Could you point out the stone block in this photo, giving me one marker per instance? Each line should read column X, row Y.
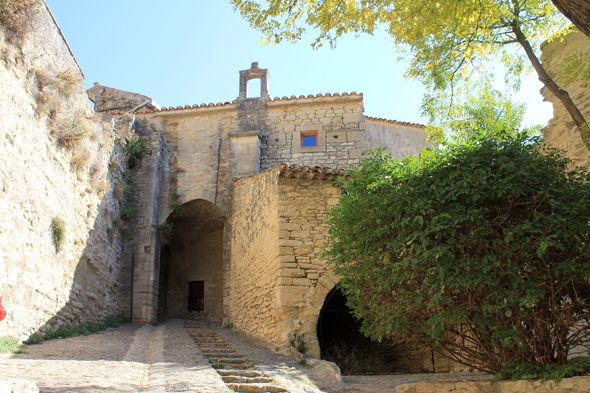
column 304, row 282
column 290, row 243
column 303, row 251
column 285, row 250
column 285, row 281
column 287, row 258
column 300, row 234
column 354, row 117
column 288, row 226
column 294, row 273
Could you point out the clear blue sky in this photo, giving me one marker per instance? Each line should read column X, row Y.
column 185, row 52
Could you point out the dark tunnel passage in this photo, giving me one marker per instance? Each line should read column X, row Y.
column 342, row 342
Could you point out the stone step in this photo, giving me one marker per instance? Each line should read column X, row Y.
column 255, row 388
column 240, row 379
column 219, row 350
column 219, row 355
column 241, row 366
column 228, row 360
column 239, row 373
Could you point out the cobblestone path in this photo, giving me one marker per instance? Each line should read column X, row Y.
column 165, row 358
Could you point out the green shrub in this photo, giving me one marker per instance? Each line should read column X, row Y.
column 10, row 345
column 34, row 339
column 550, row 372
column 174, row 201
column 50, row 335
column 116, row 320
column 128, row 212
column 301, row 343
column 476, row 250
column 58, row 233
column 135, row 149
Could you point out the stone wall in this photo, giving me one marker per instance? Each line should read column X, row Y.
column 338, row 120
column 255, row 255
column 561, row 131
column 304, row 278
column 569, row 385
column 45, row 176
column 400, row 140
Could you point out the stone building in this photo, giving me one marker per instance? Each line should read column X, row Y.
column 254, row 178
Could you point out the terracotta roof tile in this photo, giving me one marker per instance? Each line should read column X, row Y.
column 401, row 123
column 307, row 172
column 210, row 105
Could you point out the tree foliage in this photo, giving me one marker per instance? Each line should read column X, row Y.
column 477, row 250
column 448, row 41
column 486, row 111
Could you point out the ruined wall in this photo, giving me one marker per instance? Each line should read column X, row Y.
column 399, row 140
column 255, row 255
column 304, row 278
column 561, row 131
column 49, row 173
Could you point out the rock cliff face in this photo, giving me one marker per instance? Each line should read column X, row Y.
column 561, row 131
column 59, row 248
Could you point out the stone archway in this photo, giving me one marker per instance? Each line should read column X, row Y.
column 191, row 263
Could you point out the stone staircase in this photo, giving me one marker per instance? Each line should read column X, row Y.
column 238, row 373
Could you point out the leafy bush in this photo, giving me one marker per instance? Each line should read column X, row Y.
column 548, row 373
column 128, row 212
column 165, row 230
column 116, row 320
column 34, row 339
column 85, row 329
column 174, row 201
column 135, row 149
column 477, row 250
column 58, row 233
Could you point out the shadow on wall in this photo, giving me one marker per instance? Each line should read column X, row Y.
column 191, row 263
column 100, row 281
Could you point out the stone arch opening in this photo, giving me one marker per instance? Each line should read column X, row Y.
column 341, row 342
column 191, row 263
column 254, row 88
column 337, row 326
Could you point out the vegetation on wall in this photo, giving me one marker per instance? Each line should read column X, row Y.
column 136, row 149
column 84, row 329
column 477, row 250
column 71, row 131
column 17, row 15
column 58, row 233
column 174, row 201
column 165, row 230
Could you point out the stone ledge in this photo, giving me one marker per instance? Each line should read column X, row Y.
column 569, row 385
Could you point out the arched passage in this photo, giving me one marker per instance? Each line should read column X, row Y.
column 342, row 342
column 337, row 326
column 191, row 263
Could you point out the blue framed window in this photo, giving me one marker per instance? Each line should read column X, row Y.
column 309, row 139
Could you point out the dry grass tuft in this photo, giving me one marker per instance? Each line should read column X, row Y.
column 18, row 15
column 80, row 159
column 72, row 131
